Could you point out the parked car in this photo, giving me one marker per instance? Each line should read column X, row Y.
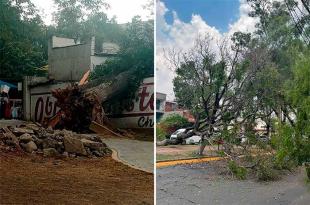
column 174, row 135
column 195, row 139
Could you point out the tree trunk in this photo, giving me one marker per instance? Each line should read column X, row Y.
column 106, row 91
column 203, row 144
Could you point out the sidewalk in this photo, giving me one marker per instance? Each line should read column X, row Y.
column 135, row 153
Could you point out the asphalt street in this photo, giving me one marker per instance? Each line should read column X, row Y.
column 200, row 184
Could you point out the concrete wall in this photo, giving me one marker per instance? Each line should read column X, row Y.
column 110, row 48
column 97, row 60
column 62, row 42
column 160, row 102
column 69, row 63
column 42, row 103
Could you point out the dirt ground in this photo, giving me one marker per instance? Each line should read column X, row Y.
column 29, row 179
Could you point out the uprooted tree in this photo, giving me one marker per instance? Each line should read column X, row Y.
column 113, row 84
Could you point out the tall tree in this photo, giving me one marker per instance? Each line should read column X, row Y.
column 23, row 46
column 214, row 84
column 82, row 19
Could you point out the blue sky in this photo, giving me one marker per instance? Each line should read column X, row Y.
column 217, row 13
column 217, row 19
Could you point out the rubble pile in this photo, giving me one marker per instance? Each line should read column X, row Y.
column 33, row 138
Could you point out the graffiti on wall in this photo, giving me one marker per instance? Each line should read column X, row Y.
column 43, row 106
column 140, row 113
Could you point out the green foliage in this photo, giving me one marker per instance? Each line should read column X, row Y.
column 265, row 171
column 238, row 171
column 299, row 94
column 160, row 133
column 172, row 123
column 175, row 120
column 82, row 19
column 23, row 46
column 24, row 37
column 283, row 142
column 292, row 142
column 135, row 56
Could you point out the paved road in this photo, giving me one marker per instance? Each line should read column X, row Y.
column 138, row 154
column 184, row 184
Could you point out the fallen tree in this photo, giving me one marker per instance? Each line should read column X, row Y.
column 80, row 105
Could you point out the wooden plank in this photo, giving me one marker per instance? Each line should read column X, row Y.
column 101, row 129
column 84, row 78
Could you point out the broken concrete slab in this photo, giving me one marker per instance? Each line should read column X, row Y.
column 29, row 147
column 9, row 135
column 50, row 152
column 48, row 138
column 25, row 138
column 91, row 144
column 33, row 127
column 19, row 130
column 73, row 145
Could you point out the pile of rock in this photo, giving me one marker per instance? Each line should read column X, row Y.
column 33, row 137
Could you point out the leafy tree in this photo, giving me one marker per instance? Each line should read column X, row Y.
column 298, row 93
column 23, row 46
column 82, row 19
column 214, row 89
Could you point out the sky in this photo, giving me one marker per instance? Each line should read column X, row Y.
column 124, row 10
column 179, row 22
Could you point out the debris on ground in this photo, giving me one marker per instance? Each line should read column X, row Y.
column 34, row 138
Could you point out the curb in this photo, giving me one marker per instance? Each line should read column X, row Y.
column 116, row 157
column 168, row 163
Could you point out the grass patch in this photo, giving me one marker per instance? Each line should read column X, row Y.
column 185, row 155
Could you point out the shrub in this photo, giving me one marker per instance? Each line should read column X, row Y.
column 172, row 123
column 160, row 133
column 238, row 171
column 265, row 171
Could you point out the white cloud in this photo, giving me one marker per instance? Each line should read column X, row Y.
column 123, row 10
column 181, row 36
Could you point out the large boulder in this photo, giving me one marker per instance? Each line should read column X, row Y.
column 50, row 152
column 25, row 138
column 92, row 144
column 73, row 145
column 49, row 143
column 29, row 147
column 33, row 127
column 20, row 130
